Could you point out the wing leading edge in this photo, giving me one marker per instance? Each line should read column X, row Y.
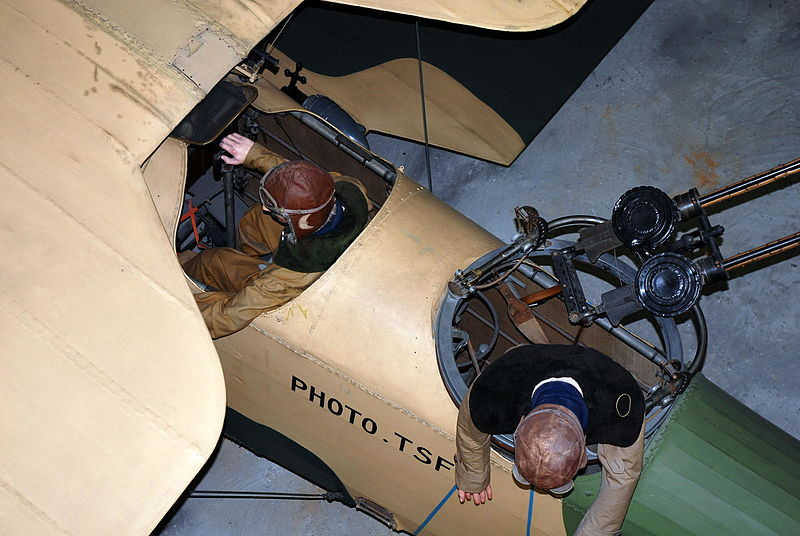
column 516, row 16
column 112, row 392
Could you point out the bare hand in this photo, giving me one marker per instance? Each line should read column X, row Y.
column 238, row 146
column 477, row 498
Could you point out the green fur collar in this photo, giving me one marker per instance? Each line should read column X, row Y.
column 318, row 253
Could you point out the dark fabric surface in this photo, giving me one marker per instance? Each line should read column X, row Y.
column 501, row 395
column 524, row 76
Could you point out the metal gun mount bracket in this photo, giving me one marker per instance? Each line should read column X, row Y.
column 668, row 283
column 254, row 64
column 532, row 232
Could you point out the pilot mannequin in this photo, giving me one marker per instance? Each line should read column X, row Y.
column 307, row 218
column 555, row 399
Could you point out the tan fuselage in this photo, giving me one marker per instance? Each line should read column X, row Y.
column 348, row 369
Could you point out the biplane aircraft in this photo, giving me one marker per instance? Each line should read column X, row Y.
column 113, row 392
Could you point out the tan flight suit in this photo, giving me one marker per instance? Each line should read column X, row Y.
column 622, row 466
column 621, row 469
column 248, row 285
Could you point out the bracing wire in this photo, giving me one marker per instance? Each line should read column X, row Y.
column 280, row 32
column 424, row 112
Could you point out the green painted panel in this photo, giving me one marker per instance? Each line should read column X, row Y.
column 714, row 468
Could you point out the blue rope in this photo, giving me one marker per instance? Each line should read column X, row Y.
column 435, row 510
column 530, row 513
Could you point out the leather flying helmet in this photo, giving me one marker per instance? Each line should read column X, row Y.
column 549, row 448
column 301, row 194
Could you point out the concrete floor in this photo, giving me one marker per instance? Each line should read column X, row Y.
column 697, row 94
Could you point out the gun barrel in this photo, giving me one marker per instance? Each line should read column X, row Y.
column 761, row 252
column 750, row 183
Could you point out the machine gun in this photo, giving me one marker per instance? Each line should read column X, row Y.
column 668, row 283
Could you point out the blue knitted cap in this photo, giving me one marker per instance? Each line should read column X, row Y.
column 562, row 394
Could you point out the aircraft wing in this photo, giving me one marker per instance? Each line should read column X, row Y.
column 457, row 119
column 111, row 392
column 516, row 16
